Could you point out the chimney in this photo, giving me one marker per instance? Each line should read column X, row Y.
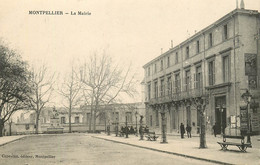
column 242, row 4
column 161, row 50
column 171, row 44
column 236, row 4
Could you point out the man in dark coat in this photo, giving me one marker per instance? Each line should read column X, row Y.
column 182, row 130
column 188, row 129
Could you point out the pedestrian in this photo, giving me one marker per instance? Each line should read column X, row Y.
column 182, row 130
column 188, row 129
column 214, row 129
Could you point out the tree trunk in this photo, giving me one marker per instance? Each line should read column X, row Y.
column 90, row 120
column 202, row 131
column 94, row 120
column 70, row 120
column 1, row 127
column 37, row 123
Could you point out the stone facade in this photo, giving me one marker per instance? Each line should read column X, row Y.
column 218, row 64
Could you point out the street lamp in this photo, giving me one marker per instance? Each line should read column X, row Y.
column 136, row 113
column 116, row 123
column 126, row 128
column 221, row 109
column 141, row 128
column 247, row 97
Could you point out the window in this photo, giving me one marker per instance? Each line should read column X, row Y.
column 62, row 120
column 198, row 46
column 177, row 83
column 155, row 68
column 198, row 78
column 151, row 120
column 169, row 86
column 149, row 91
column 157, row 117
column 187, row 80
column 162, row 87
column 102, row 117
column 176, row 58
column 168, row 61
column 116, row 116
column 129, row 117
column 225, row 30
column 210, row 40
column 226, row 69
column 155, row 89
column 149, row 72
column 187, row 52
column 161, row 64
column 76, row 119
column 27, row 126
column 211, row 66
column 88, row 118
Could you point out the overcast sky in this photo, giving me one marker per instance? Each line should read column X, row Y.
column 130, row 30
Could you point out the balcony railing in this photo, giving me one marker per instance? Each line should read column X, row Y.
column 178, row 95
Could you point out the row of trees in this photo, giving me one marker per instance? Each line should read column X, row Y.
column 97, row 81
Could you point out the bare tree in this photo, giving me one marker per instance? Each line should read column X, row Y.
column 200, row 104
column 41, row 82
column 70, row 91
column 13, row 84
column 103, row 83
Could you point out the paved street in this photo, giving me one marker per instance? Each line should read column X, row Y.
column 72, row 149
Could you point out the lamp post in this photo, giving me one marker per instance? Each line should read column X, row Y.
column 136, row 113
column 221, row 120
column 108, row 128
column 116, row 127
column 141, row 128
column 247, row 97
column 126, row 128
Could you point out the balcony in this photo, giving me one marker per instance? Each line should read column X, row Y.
column 178, row 95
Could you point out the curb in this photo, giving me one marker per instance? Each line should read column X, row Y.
column 12, row 141
column 168, row 152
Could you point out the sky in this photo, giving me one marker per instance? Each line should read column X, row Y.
column 132, row 31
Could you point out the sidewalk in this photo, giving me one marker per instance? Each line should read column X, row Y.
column 189, row 147
column 8, row 139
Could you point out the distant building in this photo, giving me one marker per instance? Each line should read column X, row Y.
column 80, row 118
column 218, row 63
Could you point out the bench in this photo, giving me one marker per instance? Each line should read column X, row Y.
column 242, row 146
column 151, row 136
column 121, row 133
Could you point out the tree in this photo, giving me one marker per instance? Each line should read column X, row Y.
column 14, row 87
column 103, row 83
column 41, row 83
column 70, row 91
column 200, row 104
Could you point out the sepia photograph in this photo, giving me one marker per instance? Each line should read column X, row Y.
column 115, row 82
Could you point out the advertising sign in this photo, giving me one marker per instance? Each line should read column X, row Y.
column 243, row 118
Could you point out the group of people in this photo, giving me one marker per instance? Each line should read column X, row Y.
column 182, row 130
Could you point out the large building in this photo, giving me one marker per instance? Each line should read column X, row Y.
column 219, row 64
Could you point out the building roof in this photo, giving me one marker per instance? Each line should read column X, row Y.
column 208, row 28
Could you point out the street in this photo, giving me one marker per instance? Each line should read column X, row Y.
column 81, row 149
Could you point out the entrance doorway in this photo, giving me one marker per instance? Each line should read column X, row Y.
column 220, row 114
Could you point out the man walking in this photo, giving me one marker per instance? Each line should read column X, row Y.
column 188, row 129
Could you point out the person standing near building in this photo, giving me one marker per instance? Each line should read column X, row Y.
column 182, row 130
column 188, row 129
